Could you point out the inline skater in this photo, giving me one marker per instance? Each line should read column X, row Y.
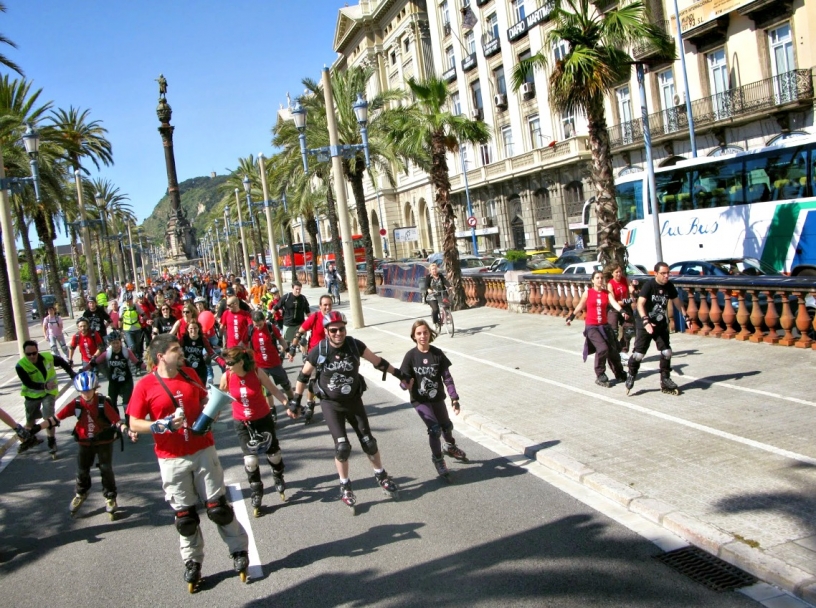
column 652, row 323
column 599, row 336
column 164, row 321
column 435, row 285
column 262, row 336
column 235, row 322
column 23, row 434
column 428, row 369
column 340, row 387
column 98, row 425
column 618, row 287
column 332, row 278
column 98, row 318
column 162, row 403
column 313, row 324
column 295, row 307
column 53, row 332
column 131, row 318
column 252, row 416
column 198, row 352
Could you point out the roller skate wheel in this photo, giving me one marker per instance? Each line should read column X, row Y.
column 283, row 497
column 191, row 587
column 353, row 509
column 243, row 576
column 112, row 516
column 53, row 455
column 256, row 512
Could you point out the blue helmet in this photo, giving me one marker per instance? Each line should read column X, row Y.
column 86, row 381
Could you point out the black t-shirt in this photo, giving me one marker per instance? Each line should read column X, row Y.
column 657, row 300
column 119, row 366
column 340, row 377
column 426, row 369
column 163, row 324
column 96, row 320
column 295, row 308
column 194, row 351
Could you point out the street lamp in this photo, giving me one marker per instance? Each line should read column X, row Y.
column 247, row 267
column 31, row 141
column 255, row 226
column 220, row 254
column 273, row 250
column 337, row 153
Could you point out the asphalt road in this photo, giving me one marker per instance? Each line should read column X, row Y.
column 498, row 536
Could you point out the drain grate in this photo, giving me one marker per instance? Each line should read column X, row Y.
column 706, row 569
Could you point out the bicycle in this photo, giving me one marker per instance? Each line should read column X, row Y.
column 445, row 313
column 334, row 291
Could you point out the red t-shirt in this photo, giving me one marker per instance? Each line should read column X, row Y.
column 264, row 346
column 250, row 402
column 596, row 304
column 241, row 293
column 150, row 400
column 314, row 323
column 619, row 289
column 278, row 313
column 89, row 424
column 236, row 325
column 88, row 345
column 175, row 309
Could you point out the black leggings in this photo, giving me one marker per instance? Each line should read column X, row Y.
column 123, row 389
column 337, row 414
column 262, row 425
column 104, row 458
column 434, row 304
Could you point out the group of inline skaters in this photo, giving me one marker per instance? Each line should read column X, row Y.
column 174, row 331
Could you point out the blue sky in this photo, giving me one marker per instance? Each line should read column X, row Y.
column 228, row 63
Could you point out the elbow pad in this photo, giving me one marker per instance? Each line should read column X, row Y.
column 304, row 378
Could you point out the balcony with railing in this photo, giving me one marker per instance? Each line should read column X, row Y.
column 643, row 49
column 740, row 104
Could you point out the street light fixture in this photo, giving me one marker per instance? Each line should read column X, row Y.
column 247, row 267
column 31, row 141
column 337, row 153
column 273, row 250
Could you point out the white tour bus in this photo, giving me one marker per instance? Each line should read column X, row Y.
column 759, row 204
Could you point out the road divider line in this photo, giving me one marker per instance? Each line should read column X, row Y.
column 255, row 570
column 631, row 406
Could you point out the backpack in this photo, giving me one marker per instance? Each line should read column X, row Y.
column 251, row 332
column 110, row 432
column 322, row 355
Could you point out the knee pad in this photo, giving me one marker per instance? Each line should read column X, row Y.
column 637, row 356
column 447, row 427
column 666, row 354
column 274, row 459
column 342, row 450
column 187, row 521
column 435, row 431
column 251, row 463
column 220, row 511
column 369, row 444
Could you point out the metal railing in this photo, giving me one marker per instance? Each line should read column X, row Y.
column 642, row 48
column 749, row 99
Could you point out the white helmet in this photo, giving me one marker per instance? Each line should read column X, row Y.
column 199, row 299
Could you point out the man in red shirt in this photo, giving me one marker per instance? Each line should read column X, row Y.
column 89, row 343
column 240, row 290
column 314, row 324
column 166, row 402
column 235, row 322
column 262, row 337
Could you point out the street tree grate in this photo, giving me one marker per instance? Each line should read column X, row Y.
column 706, row 569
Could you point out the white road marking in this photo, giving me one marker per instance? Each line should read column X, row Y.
column 637, row 408
column 255, row 570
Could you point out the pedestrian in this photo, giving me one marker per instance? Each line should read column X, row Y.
column 188, row 314
column 88, row 342
column 131, row 319
column 164, row 321
column 428, row 369
column 53, row 332
column 263, row 338
column 198, row 353
column 256, row 292
column 599, row 336
column 98, row 425
column 114, row 314
column 652, row 323
column 253, row 421
column 273, row 308
column 295, row 307
column 235, row 322
column 97, row 317
column 313, row 325
column 163, row 402
column 340, row 387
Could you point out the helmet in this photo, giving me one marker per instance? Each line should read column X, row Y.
column 129, row 287
column 139, row 295
column 189, row 295
column 273, row 290
column 258, row 442
column 86, row 381
column 200, row 300
column 128, row 296
column 114, row 335
column 334, row 317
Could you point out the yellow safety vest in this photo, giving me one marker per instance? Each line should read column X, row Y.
column 36, row 376
column 130, row 319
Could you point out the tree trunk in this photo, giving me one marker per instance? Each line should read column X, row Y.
column 45, row 231
column 99, row 266
column 287, row 236
column 357, row 189
column 612, row 250
column 311, row 229
column 29, row 256
column 9, row 328
column 259, row 249
column 441, row 184
column 334, row 232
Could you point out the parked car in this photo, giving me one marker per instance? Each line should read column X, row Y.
column 590, row 267
column 547, row 254
column 542, row 266
column 576, row 257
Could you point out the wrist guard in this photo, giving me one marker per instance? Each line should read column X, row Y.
column 165, row 425
column 571, row 317
column 383, row 366
column 399, row 375
column 294, row 404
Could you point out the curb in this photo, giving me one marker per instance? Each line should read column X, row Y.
column 709, row 538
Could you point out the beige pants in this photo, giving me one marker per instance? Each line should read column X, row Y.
column 190, row 479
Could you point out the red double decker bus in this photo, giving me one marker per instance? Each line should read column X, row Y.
column 359, row 250
column 301, row 258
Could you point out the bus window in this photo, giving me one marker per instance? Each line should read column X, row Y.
column 673, row 190
column 718, row 185
column 629, row 197
column 774, row 174
column 790, row 180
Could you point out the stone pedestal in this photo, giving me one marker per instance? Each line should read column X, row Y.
column 518, row 296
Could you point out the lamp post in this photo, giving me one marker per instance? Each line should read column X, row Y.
column 220, row 254
column 230, row 244
column 86, row 238
column 273, row 250
column 248, row 189
column 31, row 140
column 247, row 267
column 337, row 152
column 142, row 257
column 650, row 173
column 132, row 258
column 469, row 205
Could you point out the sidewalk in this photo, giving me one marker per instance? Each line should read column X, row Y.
column 729, row 465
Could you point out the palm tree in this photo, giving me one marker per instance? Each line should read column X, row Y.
column 112, row 210
column 3, row 40
column 595, row 63
column 307, row 202
column 425, row 132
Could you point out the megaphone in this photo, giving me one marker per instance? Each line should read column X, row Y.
column 217, row 399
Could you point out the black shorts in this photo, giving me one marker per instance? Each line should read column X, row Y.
column 278, row 375
column 336, row 415
column 262, row 425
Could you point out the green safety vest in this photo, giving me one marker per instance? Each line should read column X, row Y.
column 102, row 299
column 36, row 376
column 130, row 319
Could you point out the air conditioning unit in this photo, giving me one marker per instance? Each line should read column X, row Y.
column 500, row 100
column 446, row 29
column 528, row 89
column 476, row 113
column 487, row 221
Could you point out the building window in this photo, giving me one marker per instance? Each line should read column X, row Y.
column 498, row 77
column 407, row 44
column 517, row 6
column 491, row 209
column 456, row 104
column 476, row 95
column 568, row 124
column 486, row 152
column 507, row 139
column 560, row 49
column 465, row 3
column 393, row 57
column 463, row 154
column 443, row 8
column 523, row 56
column 492, row 27
column 534, row 124
column 574, row 198
column 470, row 42
column 450, row 59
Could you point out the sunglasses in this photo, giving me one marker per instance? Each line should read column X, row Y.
column 165, row 308
column 336, row 330
column 187, row 312
column 32, row 354
column 230, row 363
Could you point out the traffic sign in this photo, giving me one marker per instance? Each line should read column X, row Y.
column 471, row 221
column 383, row 231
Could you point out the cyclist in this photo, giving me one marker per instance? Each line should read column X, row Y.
column 435, row 285
column 333, row 279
